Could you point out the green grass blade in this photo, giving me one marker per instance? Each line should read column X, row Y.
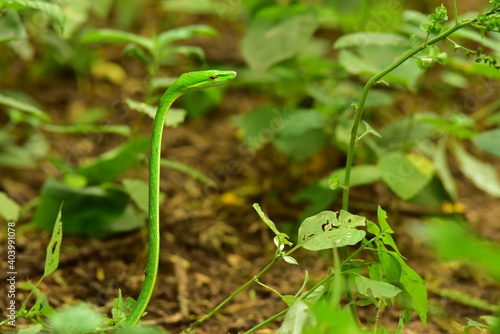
column 188, row 170
column 23, row 106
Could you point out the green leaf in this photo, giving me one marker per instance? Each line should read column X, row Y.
column 76, row 319
column 41, row 305
column 117, row 36
column 110, row 165
column 8, row 208
column 318, row 194
column 360, row 175
column 118, row 309
column 185, row 50
column 484, row 70
column 414, row 286
column 483, row 175
column 174, row 116
column 31, row 329
column 370, row 130
column 459, row 126
column 11, row 27
column 122, row 130
column 290, row 260
column 300, row 135
column 452, row 239
column 102, row 8
column 282, row 237
column 433, row 195
column 473, row 324
column 121, row 309
column 54, row 247
column 454, row 79
column 17, row 157
column 24, row 106
column 301, row 147
column 375, row 289
column 138, row 191
column 371, row 59
column 372, row 228
column 130, row 220
column 324, row 317
column 259, row 126
column 405, row 174
column 386, row 229
column 302, row 121
column 79, row 12
column 278, row 33
column 488, row 141
column 191, row 31
column 362, row 39
column 330, row 229
column 381, row 216
column 289, row 299
column 443, row 170
column 188, row 170
column 87, row 211
column 390, row 264
column 295, row 319
column 164, row 83
column 135, row 51
column 200, row 102
column 52, row 10
column 355, row 63
column 407, row 131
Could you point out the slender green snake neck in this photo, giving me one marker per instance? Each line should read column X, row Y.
column 187, row 82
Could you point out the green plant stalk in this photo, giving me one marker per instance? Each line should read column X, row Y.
column 267, row 321
column 277, row 315
column 373, row 80
column 317, row 285
column 231, row 297
column 186, row 83
column 455, row 11
column 337, row 280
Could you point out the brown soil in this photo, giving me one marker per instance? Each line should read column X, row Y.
column 212, row 239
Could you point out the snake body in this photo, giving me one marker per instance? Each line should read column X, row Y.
column 187, row 82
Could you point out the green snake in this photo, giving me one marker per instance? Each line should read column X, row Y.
column 187, row 82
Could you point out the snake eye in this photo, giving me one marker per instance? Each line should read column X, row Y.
column 213, row 78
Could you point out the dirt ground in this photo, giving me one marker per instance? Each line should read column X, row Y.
column 212, row 239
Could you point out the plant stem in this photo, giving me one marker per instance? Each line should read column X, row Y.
column 267, row 321
column 455, row 11
column 372, row 81
column 277, row 315
column 231, row 297
column 337, row 280
column 310, row 291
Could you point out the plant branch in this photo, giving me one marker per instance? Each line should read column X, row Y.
column 455, row 11
column 377, row 77
column 231, row 297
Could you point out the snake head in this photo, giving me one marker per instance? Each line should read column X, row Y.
column 192, row 81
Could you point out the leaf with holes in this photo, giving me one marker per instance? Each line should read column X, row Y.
column 330, row 229
column 53, row 249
